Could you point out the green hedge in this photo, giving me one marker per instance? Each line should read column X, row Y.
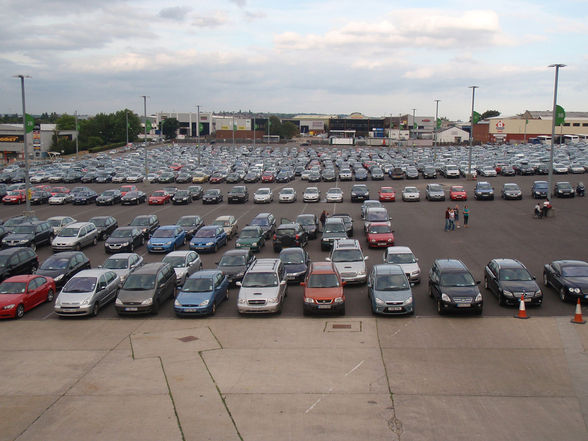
column 106, row 147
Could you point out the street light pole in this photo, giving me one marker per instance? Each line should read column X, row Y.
column 145, row 139
column 26, row 147
column 198, row 130
column 78, row 134
column 127, row 121
column 557, row 66
column 435, row 129
column 254, row 132
column 471, row 132
column 413, row 120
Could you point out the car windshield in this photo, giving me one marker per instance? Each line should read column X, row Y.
column 69, row 232
column 260, row 280
column 511, row 187
column 24, row 229
column 205, row 232
column 457, row 279
column 259, row 221
column 98, row 221
column 232, row 261
column 564, row 185
column 323, row 281
column 311, row 190
column 334, row 227
column 484, row 186
column 377, row 215
column 80, row 284
column 121, row 233
column 263, row 191
column 198, row 285
column 541, row 185
column 285, row 232
column 347, row 256
column 116, row 263
column 12, row 287
column 292, row 257
column 108, row 193
column 288, row 191
column 188, row 221
column 248, row 234
column 379, row 229
column 182, row 194
column 518, row 274
column 386, row 190
column 211, row 192
column 131, row 194
column 457, row 189
column 391, row 282
column 55, row 263
column 575, row 271
column 164, row 233
column 334, row 191
column 411, row 190
column 175, row 261
column 400, row 258
column 159, row 193
column 305, row 220
column 138, row 282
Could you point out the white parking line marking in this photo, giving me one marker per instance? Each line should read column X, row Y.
column 356, row 367
column 48, row 315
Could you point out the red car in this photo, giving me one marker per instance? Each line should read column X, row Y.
column 458, row 193
column 268, row 177
column 387, row 194
column 380, row 234
column 159, row 197
column 58, row 190
column 19, row 294
column 216, row 178
column 126, row 188
column 14, row 197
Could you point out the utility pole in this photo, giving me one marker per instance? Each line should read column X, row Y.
column 435, row 129
column 413, row 123
column 127, row 121
column 25, row 147
column 145, row 139
column 471, row 133
column 78, row 134
column 557, row 66
column 254, row 132
column 233, row 133
column 198, row 131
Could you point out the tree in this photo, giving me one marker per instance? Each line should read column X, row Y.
column 170, row 127
column 288, row 130
column 490, row 114
column 66, row 122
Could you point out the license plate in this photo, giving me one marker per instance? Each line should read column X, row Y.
column 394, row 308
column 130, row 309
column 381, row 243
column 190, row 310
column 528, row 300
column 464, row 305
column 324, row 306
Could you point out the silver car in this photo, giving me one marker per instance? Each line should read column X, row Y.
column 184, row 263
column 58, row 222
column 263, row 288
column 87, row 292
column 263, row 195
column 349, row 260
column 287, row 194
column 75, row 237
column 334, row 194
column 404, row 257
column 311, row 194
column 123, row 264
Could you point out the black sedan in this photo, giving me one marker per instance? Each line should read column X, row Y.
column 509, row 280
column 568, row 277
column 238, row 194
column 63, row 266
column 212, row 196
column 105, row 225
column 564, row 190
column 84, row 198
column 109, row 197
column 134, row 198
column 191, row 224
column 40, row 197
column 195, row 191
column 124, row 239
column 182, row 197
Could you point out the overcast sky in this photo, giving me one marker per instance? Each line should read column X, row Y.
column 336, row 56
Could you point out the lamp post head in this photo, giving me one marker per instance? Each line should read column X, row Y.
column 557, row 65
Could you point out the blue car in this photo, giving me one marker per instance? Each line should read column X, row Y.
column 202, row 292
column 166, row 238
column 390, row 291
column 209, row 238
column 296, row 263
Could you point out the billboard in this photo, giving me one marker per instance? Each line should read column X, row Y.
column 11, row 138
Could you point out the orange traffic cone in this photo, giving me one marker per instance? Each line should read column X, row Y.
column 578, row 316
column 522, row 314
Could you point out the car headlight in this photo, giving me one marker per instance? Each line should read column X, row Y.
column 58, row 278
column 478, row 298
column 308, row 300
column 254, row 244
column 361, row 272
column 373, row 241
column 177, row 303
column 205, row 303
column 272, row 300
column 445, row 298
column 209, row 244
column 415, row 273
column 507, row 293
column 125, row 244
column 390, row 240
column 338, row 300
column 23, row 241
column 407, row 302
column 147, row 302
column 85, row 302
column 242, row 301
column 538, row 293
column 7, row 307
column 574, row 290
column 118, row 301
column 379, row 301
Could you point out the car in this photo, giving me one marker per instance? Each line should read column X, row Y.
column 39, row 197
column 239, row 194
column 124, row 239
column 411, row 194
column 369, row 203
column 19, row 294
column 379, row 234
column 147, row 223
column 63, row 266
column 296, row 261
column 202, row 293
column 569, row 278
column 435, row 192
column 17, row 260
column 133, row 198
column 84, row 197
column 209, row 238
column 359, row 193
column 146, row 289
column 105, row 225
column 166, row 238
column 349, row 260
column 429, row 172
column 229, row 224
column 289, row 235
column 159, row 197
column 263, row 288
column 263, row 195
column 333, row 229
column 212, row 196
column 386, row 194
column 564, row 190
column 334, row 194
column 458, row 193
column 196, row 191
column 375, row 214
column 267, row 222
column 323, row 289
column 191, row 224
column 251, row 237
column 200, row 177
column 182, row 197
column 453, row 288
column 510, row 281
column 389, row 290
column 511, row 190
column 287, row 194
column 311, row 194
column 404, row 257
column 109, row 197
column 75, row 237
column 14, row 197
column 58, row 222
column 86, row 292
column 484, row 190
column 540, row 189
column 310, row 223
column 396, row 173
column 3, row 232
column 123, row 264
column 29, row 234
column 184, row 263
column 235, row 263
column 488, row 171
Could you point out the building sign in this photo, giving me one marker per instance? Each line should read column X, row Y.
column 500, row 126
column 36, row 140
column 11, row 138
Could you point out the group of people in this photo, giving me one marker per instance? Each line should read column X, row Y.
column 452, row 218
column 541, row 210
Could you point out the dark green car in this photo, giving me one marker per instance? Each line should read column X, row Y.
column 251, row 237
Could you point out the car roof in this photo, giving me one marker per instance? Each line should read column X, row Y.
column 167, row 227
column 224, row 217
column 182, row 253
column 79, row 224
column 120, row 255
column 398, row 250
column 322, row 268
column 150, row 268
column 64, row 254
column 21, row 278
column 205, row 274
column 388, row 268
column 571, row 262
column 236, row 252
column 450, row 264
column 508, row 263
column 346, row 243
column 97, row 272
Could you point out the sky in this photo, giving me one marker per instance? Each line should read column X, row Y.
column 376, row 57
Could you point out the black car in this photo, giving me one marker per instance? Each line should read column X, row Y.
column 266, row 221
column 359, row 192
column 289, row 235
column 509, row 280
column 40, row 197
column 134, row 198
column 310, row 224
column 195, row 191
column 109, row 197
column 296, row 263
column 329, row 175
column 3, row 232
column 334, row 229
column 238, row 194
column 13, row 221
column 453, row 288
column 361, row 174
column 564, row 190
column 377, row 174
column 190, row 224
column 251, row 177
column 233, row 178
column 29, row 234
column 183, row 178
column 84, row 197
column 166, row 178
column 235, row 263
column 105, row 225
column 348, row 220
column 147, row 223
column 429, row 172
column 124, row 239
column 63, row 266
column 283, row 177
column 212, row 196
column 568, row 277
column 182, row 197
column 18, row 260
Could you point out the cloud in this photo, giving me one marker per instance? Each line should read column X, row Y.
column 240, row 3
column 177, row 13
column 210, row 21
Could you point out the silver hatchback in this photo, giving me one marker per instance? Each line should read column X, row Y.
column 87, row 292
column 75, row 237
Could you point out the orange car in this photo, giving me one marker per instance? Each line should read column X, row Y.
column 458, row 193
column 323, row 289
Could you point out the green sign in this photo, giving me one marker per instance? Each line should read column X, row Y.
column 234, row 127
column 29, row 123
column 200, row 127
column 560, row 115
column 476, row 117
column 148, row 125
column 415, row 126
column 438, row 123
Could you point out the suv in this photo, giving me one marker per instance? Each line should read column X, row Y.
column 484, row 190
column 263, row 288
column 75, row 237
column 238, row 194
column 334, row 228
column 452, row 286
column 323, row 289
column 389, row 290
column 146, row 289
column 509, row 280
column 349, row 260
column 148, row 223
column 29, row 234
column 359, row 192
column 18, row 260
column 289, row 235
column 266, row 221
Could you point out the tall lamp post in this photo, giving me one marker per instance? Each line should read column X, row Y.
column 557, row 66
column 435, row 129
column 127, row 121
column 198, row 130
column 77, row 135
column 471, row 132
column 145, row 140
column 26, row 147
column 413, row 122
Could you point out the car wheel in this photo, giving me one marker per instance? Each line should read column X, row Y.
column 78, row 247
column 95, row 309
column 213, row 310
column 485, row 282
column 50, row 295
column 545, row 281
column 20, row 311
column 95, row 241
column 132, row 246
column 440, row 308
column 562, row 294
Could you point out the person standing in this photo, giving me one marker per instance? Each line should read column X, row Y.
column 456, row 214
column 447, row 219
column 546, row 207
column 451, row 219
column 466, row 216
column 323, row 219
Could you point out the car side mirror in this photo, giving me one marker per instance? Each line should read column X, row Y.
column 302, row 283
column 282, row 283
column 534, row 278
column 99, row 266
column 412, row 284
column 238, row 283
column 328, row 259
column 217, row 262
column 101, row 286
column 366, row 257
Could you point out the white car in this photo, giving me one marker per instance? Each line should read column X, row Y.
column 184, row 263
column 311, row 194
column 335, row 194
column 287, row 194
column 404, row 257
column 263, row 195
column 60, row 199
column 123, row 264
column 58, row 222
column 411, row 194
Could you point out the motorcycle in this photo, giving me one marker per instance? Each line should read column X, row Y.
column 580, row 189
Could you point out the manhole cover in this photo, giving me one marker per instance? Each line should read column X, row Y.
column 339, row 326
column 187, row 338
column 343, row 326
